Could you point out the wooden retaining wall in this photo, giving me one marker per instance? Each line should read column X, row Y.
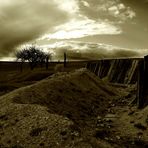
column 123, row 71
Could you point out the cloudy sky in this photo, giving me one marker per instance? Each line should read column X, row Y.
column 85, row 29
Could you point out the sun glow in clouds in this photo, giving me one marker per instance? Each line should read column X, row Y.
column 79, row 25
column 81, row 28
column 59, row 20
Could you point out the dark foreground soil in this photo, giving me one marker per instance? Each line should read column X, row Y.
column 72, row 110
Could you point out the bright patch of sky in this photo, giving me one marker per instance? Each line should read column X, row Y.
column 79, row 25
column 118, row 10
column 81, row 28
column 85, row 3
column 70, row 6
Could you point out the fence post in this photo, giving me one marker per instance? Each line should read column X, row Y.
column 65, row 57
column 140, row 84
column 145, row 98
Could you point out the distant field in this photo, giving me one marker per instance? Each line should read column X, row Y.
column 11, row 76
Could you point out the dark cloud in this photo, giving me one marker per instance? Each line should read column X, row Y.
column 25, row 20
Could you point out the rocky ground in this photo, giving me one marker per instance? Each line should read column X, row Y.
column 72, row 110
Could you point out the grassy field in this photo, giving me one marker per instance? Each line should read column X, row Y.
column 12, row 78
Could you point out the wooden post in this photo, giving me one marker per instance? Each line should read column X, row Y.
column 130, row 72
column 96, row 68
column 100, row 68
column 111, row 71
column 65, row 59
column 142, row 93
column 145, row 98
column 140, row 84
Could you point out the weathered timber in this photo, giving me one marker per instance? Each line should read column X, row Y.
column 125, row 66
column 107, row 65
column 145, row 98
column 116, row 71
column 97, row 68
column 100, row 68
column 125, row 71
column 93, row 67
column 110, row 72
column 90, row 66
column 135, row 76
column 130, row 72
column 122, row 71
column 140, row 84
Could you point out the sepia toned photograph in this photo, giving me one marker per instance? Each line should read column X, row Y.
column 73, row 73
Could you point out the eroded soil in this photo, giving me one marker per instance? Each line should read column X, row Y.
column 74, row 109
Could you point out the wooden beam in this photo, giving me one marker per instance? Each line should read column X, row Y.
column 131, row 72
column 140, row 85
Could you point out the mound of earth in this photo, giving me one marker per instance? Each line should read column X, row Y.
column 53, row 112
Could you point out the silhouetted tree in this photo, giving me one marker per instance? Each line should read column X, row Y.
column 22, row 56
column 33, row 55
column 47, row 61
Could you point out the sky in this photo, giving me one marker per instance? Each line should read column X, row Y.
column 85, row 29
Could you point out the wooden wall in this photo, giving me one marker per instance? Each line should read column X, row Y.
column 123, row 71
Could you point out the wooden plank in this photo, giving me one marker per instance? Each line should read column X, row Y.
column 116, row 71
column 145, row 98
column 125, row 69
column 111, row 70
column 119, row 71
column 106, row 68
column 96, row 68
column 140, row 84
column 130, row 73
column 100, row 68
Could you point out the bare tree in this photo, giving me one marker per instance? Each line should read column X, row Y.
column 33, row 55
